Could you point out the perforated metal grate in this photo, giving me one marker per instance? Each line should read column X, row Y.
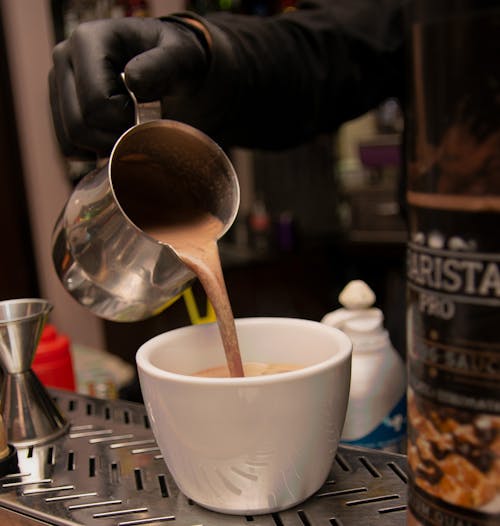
column 108, row 471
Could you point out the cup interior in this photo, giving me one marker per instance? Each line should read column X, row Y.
column 166, row 171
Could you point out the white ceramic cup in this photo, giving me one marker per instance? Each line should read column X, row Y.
column 248, row 445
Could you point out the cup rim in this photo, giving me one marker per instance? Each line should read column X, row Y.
column 45, row 308
column 343, row 353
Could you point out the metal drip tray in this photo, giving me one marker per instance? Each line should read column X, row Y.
column 108, row 470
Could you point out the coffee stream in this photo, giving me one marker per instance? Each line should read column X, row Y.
column 195, row 243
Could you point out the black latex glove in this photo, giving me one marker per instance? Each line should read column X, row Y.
column 166, row 59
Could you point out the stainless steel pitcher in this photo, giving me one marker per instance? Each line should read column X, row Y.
column 103, row 259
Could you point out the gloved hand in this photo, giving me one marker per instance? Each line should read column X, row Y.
column 174, row 59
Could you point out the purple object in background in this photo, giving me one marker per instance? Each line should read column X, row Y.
column 383, row 150
column 285, row 231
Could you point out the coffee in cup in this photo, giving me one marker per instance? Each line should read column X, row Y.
column 250, row 369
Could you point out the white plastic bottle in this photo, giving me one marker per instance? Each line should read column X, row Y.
column 376, row 414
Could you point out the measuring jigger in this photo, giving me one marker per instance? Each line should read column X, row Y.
column 159, row 170
column 30, row 415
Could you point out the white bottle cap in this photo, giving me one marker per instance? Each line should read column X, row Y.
column 362, row 322
column 357, row 295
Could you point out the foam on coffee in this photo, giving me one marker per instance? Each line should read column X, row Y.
column 250, row 369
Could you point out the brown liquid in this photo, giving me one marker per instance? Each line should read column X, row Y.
column 195, row 243
column 250, row 369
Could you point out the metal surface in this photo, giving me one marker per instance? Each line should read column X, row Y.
column 29, row 414
column 108, row 471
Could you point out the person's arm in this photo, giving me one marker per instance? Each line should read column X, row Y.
column 245, row 80
column 310, row 70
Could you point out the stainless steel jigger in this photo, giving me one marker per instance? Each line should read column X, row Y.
column 30, row 415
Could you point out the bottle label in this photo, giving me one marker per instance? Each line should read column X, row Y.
column 453, row 272
column 454, row 370
column 389, row 434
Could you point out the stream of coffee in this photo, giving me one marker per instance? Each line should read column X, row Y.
column 195, row 242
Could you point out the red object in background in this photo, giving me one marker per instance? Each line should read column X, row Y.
column 53, row 363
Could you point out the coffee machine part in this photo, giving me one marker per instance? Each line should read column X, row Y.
column 108, row 471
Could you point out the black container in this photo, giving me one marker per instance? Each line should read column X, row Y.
column 453, row 181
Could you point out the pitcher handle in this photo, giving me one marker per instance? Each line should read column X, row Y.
column 144, row 111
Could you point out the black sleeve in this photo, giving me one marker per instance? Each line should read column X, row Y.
column 308, row 71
